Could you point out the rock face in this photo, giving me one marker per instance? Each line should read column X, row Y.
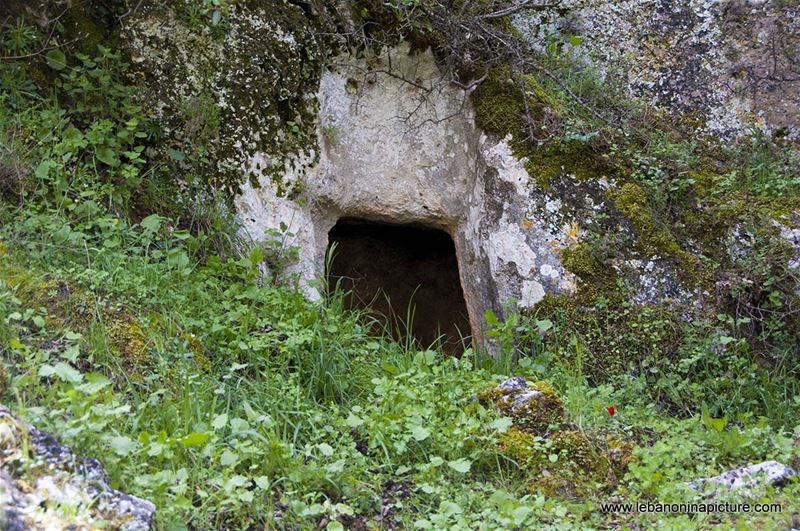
column 45, row 486
column 228, row 90
column 398, row 145
column 305, row 140
column 731, row 62
column 749, row 478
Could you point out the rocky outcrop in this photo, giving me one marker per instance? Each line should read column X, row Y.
column 731, row 63
column 43, row 485
column 227, row 84
column 746, row 479
column 398, row 144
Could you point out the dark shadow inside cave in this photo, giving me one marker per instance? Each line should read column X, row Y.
column 398, row 269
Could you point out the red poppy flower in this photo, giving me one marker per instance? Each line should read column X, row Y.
column 611, row 410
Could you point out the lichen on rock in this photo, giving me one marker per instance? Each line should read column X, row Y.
column 563, row 459
column 533, row 408
column 225, row 89
column 45, row 486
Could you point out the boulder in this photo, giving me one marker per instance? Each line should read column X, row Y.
column 749, row 478
column 44, row 485
column 532, row 407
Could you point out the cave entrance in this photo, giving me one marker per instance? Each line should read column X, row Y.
column 399, row 269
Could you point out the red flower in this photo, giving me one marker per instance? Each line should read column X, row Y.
column 611, row 410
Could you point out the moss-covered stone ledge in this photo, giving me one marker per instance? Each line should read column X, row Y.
column 228, row 83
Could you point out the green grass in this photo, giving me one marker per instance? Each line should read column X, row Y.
column 236, row 401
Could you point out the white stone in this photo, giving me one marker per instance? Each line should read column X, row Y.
column 395, row 153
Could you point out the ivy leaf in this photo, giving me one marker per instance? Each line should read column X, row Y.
column 228, row 458
column 43, row 169
column 502, row 424
column 195, row 439
column 460, row 465
column 95, row 382
column 56, row 59
column 107, row 156
column 354, row 421
column 177, row 258
column 61, row 370
column 419, row 433
column 325, row 449
column 220, row 421
column 123, row 446
column 151, row 223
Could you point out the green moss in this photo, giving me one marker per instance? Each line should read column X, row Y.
column 500, row 109
column 578, row 449
column 66, row 306
column 569, row 462
column 86, row 30
column 653, row 239
column 196, row 347
column 535, row 415
column 522, row 447
column 127, row 339
column 581, row 261
column 5, row 379
column 499, row 105
column 571, row 158
column 620, row 453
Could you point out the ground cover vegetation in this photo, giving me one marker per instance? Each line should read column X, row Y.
column 137, row 326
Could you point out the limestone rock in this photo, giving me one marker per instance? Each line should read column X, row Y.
column 749, row 478
column 410, row 153
column 44, row 485
column 729, row 62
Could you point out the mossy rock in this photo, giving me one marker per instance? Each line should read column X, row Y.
column 584, row 462
column 127, row 339
column 499, row 105
column 66, row 306
column 581, row 261
column 573, row 158
column 653, row 237
column 230, row 94
column 522, row 447
column 579, row 450
column 533, row 408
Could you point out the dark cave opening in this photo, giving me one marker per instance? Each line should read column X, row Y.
column 388, row 267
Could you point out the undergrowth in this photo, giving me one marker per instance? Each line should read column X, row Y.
column 137, row 327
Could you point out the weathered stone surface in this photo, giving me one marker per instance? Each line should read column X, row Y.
column 749, row 478
column 791, row 235
column 399, row 145
column 227, row 90
column 43, row 485
column 533, row 408
column 732, row 63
